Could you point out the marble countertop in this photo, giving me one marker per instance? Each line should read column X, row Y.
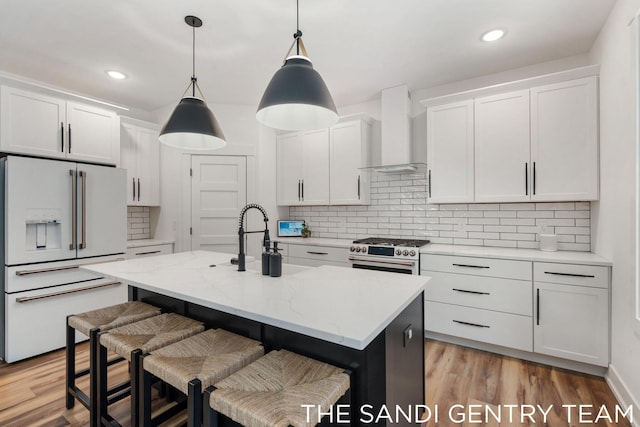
column 147, row 242
column 336, row 304
column 315, row 241
column 564, row 257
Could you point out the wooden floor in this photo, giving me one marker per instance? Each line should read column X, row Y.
column 32, row 391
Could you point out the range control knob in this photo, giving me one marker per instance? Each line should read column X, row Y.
column 352, row 249
column 412, row 253
column 357, row 248
column 364, row 249
column 405, row 252
column 398, row 252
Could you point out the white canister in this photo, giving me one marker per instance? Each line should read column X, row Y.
column 548, row 242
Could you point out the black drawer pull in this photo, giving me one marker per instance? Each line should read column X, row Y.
column 477, row 325
column 148, row 253
column 470, row 292
column 570, row 274
column 470, row 266
column 317, row 253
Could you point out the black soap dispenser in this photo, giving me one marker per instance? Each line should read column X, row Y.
column 275, row 262
column 265, row 261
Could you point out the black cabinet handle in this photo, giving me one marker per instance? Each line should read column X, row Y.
column 134, row 189
column 69, row 148
column 317, row 253
column 62, row 137
column 477, row 325
column 470, row 292
column 470, row 266
column 534, row 178
column 303, row 190
column 429, row 181
column 148, row 253
column 526, row 179
column 569, row 274
column 538, row 306
column 298, row 190
column 138, row 189
column 358, row 187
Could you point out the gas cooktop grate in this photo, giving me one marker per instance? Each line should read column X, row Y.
column 383, row 241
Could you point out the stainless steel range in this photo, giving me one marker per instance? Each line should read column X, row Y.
column 385, row 254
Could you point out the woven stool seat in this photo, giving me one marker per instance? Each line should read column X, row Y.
column 191, row 365
column 112, row 317
column 270, row 391
column 210, row 357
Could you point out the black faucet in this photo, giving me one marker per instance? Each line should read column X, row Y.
column 266, row 241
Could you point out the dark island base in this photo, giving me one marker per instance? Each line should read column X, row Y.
column 387, row 374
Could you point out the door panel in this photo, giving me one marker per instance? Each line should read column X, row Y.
column 91, row 133
column 288, row 165
column 218, row 193
column 38, row 220
column 315, row 167
column 105, row 210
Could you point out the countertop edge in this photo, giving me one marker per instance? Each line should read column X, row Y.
column 148, row 242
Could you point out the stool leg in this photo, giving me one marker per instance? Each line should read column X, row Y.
column 210, row 416
column 101, row 386
column 136, row 356
column 194, row 403
column 70, row 373
column 144, row 393
column 94, row 348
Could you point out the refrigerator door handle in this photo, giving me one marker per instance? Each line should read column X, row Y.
column 74, row 208
column 83, row 176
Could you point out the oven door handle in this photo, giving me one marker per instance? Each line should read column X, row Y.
column 377, row 261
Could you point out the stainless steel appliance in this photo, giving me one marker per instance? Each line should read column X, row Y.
column 386, row 254
column 55, row 216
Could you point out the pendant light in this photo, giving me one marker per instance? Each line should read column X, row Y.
column 192, row 126
column 297, row 98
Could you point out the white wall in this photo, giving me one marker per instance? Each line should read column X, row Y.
column 614, row 215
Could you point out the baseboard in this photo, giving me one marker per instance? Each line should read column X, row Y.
column 621, row 392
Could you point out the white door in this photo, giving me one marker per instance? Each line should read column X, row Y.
column 102, row 210
column 288, row 169
column 450, row 153
column 218, row 193
column 502, row 167
column 572, row 322
column 314, row 155
column 564, row 140
column 346, row 177
column 31, row 123
column 38, row 205
column 93, row 134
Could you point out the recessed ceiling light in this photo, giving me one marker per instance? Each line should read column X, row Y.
column 116, row 74
column 493, row 35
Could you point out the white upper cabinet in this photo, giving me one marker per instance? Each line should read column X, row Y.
column 349, row 149
column 41, row 125
column 564, row 141
column 502, row 166
column 450, row 153
column 303, row 168
column 140, row 156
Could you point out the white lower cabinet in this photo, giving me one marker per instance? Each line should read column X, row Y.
column 315, row 256
column 572, row 315
column 151, row 250
column 551, row 309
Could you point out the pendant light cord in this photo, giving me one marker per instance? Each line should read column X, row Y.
column 194, row 80
column 297, row 38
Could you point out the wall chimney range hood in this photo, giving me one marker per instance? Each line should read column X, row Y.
column 397, row 152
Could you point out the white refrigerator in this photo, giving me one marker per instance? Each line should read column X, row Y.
column 56, row 216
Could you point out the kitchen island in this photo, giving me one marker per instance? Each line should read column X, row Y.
column 368, row 322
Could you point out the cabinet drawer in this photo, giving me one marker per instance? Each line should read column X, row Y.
column 35, row 319
column 506, row 295
column 312, row 262
column 327, row 253
column 507, row 269
column 153, row 250
column 571, row 274
column 508, row 330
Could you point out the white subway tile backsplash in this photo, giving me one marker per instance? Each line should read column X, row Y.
column 138, row 222
column 399, row 208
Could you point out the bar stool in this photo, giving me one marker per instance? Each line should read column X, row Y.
column 90, row 324
column 191, row 365
column 131, row 341
column 271, row 391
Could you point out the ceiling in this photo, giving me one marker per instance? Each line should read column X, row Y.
column 358, row 46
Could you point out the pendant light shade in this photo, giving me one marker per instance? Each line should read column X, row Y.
column 192, row 125
column 297, row 98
